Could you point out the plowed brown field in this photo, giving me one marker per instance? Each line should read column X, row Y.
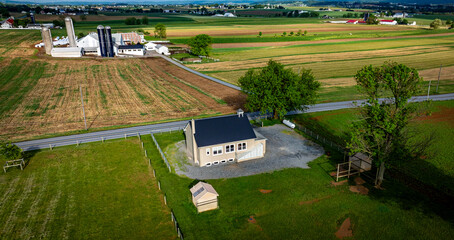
column 116, row 92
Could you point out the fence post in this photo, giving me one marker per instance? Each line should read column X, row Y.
column 50, row 146
column 165, row 199
column 146, row 153
column 337, row 175
column 349, row 167
column 77, row 141
column 159, row 185
column 102, row 139
column 125, row 136
column 142, row 144
column 154, row 173
column 138, row 135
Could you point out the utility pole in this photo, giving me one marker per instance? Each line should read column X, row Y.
column 428, row 89
column 83, row 109
column 439, row 73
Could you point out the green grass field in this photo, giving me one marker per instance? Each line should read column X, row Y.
column 94, row 191
column 302, row 205
column 437, row 168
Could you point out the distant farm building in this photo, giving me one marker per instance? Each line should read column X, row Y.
column 66, row 52
column 352, row 22
column 204, row 197
column 137, row 50
column 388, row 22
column 8, row 23
column 221, row 140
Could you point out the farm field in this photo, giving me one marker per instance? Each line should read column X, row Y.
column 41, row 95
column 436, row 169
column 335, row 62
column 300, row 203
column 84, row 192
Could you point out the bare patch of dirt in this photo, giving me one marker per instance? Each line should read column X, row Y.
column 359, row 189
column 345, row 230
column 265, row 191
column 444, row 114
column 338, row 183
column 252, row 220
column 359, row 181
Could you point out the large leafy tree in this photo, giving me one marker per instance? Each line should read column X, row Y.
column 201, row 45
column 379, row 133
column 9, row 150
column 436, row 24
column 160, row 30
column 278, row 90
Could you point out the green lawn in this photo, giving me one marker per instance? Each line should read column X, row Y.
column 437, row 168
column 395, row 213
column 94, row 191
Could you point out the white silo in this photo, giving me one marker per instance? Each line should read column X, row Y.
column 47, row 39
column 70, row 31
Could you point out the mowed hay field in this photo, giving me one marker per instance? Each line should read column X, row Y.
column 84, row 193
column 335, row 63
column 41, row 95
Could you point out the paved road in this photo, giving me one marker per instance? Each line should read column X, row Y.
column 165, row 127
column 201, row 74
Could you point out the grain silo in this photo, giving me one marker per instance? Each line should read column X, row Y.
column 109, row 43
column 102, row 40
column 70, row 31
column 47, row 39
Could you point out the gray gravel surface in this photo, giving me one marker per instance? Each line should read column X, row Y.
column 284, row 149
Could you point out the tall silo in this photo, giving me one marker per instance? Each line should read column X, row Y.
column 109, row 42
column 47, row 39
column 70, row 31
column 32, row 17
column 102, row 40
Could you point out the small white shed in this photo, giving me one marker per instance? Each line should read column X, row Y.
column 204, row 197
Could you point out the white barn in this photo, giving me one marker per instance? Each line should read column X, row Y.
column 134, row 50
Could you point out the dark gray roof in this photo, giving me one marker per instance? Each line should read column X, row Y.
column 138, row 46
column 221, row 130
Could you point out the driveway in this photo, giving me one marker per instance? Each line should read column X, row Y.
column 284, row 149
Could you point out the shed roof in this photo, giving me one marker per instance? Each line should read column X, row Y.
column 220, row 130
column 138, row 46
column 201, row 189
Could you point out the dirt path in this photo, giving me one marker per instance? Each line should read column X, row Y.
column 281, row 44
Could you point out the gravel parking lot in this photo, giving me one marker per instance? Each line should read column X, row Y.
column 284, row 149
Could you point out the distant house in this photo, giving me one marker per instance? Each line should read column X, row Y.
column 204, row 197
column 400, row 15
column 33, row 26
column 229, row 15
column 215, row 141
column 388, row 22
column 137, row 50
column 8, row 23
column 352, row 22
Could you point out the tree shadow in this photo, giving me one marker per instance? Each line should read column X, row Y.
column 28, row 155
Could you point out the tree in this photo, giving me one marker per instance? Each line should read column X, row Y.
column 448, row 22
column 9, row 150
column 284, row 34
column 131, row 21
column 436, row 24
column 260, row 34
column 83, row 17
column 299, row 33
column 379, row 133
column 372, row 19
column 291, row 34
column 201, row 45
column 145, row 20
column 305, row 32
column 160, row 30
column 452, row 26
column 278, row 90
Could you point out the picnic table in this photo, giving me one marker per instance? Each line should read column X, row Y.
column 14, row 163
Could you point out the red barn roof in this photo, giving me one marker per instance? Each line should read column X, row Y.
column 10, row 21
column 352, row 21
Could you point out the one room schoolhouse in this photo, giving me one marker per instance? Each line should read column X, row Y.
column 220, row 140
